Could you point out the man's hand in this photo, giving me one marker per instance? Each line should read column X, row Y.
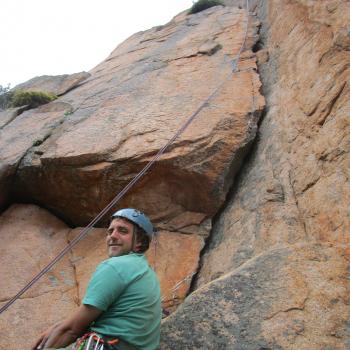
column 40, row 343
column 68, row 331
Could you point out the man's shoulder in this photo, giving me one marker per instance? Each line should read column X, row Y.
column 129, row 262
column 126, row 259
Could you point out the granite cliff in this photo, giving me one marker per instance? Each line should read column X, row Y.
column 251, row 202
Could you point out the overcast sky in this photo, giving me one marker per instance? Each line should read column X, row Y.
column 43, row 37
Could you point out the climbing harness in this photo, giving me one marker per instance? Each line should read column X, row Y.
column 92, row 341
column 121, row 194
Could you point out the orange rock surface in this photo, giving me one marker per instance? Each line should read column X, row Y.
column 275, row 274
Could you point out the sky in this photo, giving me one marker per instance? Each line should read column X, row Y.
column 45, row 37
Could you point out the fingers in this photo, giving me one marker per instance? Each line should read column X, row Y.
column 40, row 343
column 37, row 343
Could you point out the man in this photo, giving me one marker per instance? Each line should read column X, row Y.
column 121, row 308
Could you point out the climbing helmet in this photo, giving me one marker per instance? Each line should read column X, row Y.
column 136, row 217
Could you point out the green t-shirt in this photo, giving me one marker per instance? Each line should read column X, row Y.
column 127, row 290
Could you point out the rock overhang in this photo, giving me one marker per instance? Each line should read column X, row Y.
column 131, row 105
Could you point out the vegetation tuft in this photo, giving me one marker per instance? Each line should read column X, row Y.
column 32, row 99
column 201, row 5
column 68, row 112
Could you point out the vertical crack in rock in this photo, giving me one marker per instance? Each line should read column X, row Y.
column 301, row 218
column 234, row 174
column 248, row 153
column 72, row 262
column 331, row 104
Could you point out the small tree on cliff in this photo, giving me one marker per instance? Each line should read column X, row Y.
column 5, row 96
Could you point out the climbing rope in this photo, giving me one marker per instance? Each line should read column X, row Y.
column 173, row 290
column 121, row 194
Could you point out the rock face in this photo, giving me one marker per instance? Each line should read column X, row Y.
column 30, row 238
column 75, row 154
column 282, row 299
column 8, row 115
column 57, row 84
column 274, row 270
column 86, row 146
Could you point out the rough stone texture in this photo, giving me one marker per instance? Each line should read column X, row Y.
column 130, row 107
column 86, row 255
column 56, row 84
column 8, row 115
column 275, row 273
column 286, row 298
column 29, row 317
column 30, row 238
column 175, row 257
column 26, row 131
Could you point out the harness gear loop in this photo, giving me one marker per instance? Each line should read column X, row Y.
column 93, row 341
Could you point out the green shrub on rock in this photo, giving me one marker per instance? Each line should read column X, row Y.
column 201, row 5
column 31, row 98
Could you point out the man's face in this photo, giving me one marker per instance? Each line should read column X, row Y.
column 119, row 237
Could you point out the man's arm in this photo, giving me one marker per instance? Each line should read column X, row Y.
column 69, row 330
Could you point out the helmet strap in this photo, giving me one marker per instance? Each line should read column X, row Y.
column 133, row 238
